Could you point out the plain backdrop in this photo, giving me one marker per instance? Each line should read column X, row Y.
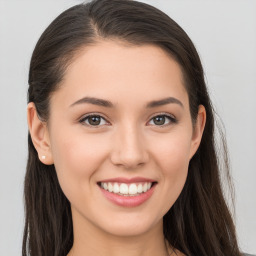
column 224, row 32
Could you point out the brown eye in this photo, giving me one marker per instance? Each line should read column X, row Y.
column 92, row 120
column 160, row 120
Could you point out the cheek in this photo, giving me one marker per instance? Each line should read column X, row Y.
column 173, row 154
column 173, row 160
column 76, row 159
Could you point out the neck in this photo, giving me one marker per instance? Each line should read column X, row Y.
column 90, row 240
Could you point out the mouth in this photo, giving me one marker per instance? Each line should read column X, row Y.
column 127, row 189
column 127, row 192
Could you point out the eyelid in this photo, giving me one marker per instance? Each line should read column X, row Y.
column 163, row 114
column 83, row 118
column 172, row 118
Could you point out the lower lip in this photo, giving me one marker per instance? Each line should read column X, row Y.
column 128, row 201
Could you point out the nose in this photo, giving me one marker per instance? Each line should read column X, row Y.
column 129, row 148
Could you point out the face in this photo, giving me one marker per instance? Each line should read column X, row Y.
column 121, row 121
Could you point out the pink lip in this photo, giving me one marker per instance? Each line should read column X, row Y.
column 128, row 180
column 128, row 201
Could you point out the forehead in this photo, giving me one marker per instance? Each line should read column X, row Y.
column 115, row 69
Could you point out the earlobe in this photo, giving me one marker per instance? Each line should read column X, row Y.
column 198, row 130
column 39, row 135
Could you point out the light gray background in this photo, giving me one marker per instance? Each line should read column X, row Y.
column 224, row 33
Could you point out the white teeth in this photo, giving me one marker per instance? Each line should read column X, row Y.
column 116, row 188
column 126, row 189
column 139, row 190
column 110, row 187
column 132, row 189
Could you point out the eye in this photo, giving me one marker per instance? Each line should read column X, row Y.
column 93, row 120
column 160, row 120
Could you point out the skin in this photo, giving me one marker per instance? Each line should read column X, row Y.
column 127, row 143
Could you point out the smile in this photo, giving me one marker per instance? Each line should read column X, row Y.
column 124, row 189
column 127, row 192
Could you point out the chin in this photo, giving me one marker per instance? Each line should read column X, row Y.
column 129, row 227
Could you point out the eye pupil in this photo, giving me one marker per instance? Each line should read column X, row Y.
column 159, row 120
column 95, row 120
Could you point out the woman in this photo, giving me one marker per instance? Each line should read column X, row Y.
column 122, row 157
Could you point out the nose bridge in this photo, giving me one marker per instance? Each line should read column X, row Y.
column 129, row 146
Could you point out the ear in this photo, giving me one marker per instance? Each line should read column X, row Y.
column 39, row 135
column 198, row 130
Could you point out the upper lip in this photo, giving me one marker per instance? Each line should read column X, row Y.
column 128, row 180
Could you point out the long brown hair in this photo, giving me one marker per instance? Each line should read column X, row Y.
column 199, row 223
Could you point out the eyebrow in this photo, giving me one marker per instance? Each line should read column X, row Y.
column 165, row 101
column 94, row 101
column 108, row 104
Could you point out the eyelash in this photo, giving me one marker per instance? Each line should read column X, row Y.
column 172, row 120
